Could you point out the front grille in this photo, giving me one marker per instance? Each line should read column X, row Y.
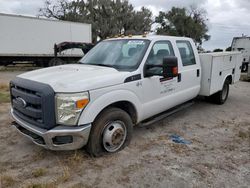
column 33, row 102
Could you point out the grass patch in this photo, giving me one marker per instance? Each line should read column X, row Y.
column 65, row 175
column 7, row 181
column 4, row 97
column 244, row 135
column 74, row 159
column 4, row 93
column 39, row 172
column 19, row 67
column 42, row 185
column 244, row 77
column 4, row 87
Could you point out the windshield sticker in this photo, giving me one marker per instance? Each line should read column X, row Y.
column 136, row 42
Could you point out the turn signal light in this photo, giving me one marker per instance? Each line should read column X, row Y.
column 82, row 103
column 175, row 70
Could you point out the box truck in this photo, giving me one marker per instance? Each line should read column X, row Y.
column 32, row 39
column 242, row 44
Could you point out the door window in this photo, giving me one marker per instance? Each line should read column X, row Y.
column 186, row 52
column 160, row 50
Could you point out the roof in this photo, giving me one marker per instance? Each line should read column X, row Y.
column 38, row 18
column 244, row 37
column 150, row 37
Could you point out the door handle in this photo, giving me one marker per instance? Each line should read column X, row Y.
column 179, row 77
column 198, row 72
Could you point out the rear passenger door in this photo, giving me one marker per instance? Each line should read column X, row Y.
column 189, row 70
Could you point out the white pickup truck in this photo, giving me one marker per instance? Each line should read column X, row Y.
column 120, row 83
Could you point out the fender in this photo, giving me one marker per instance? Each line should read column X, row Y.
column 227, row 75
column 93, row 109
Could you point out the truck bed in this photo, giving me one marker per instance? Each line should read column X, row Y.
column 215, row 67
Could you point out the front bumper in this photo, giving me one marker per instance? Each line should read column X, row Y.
column 49, row 138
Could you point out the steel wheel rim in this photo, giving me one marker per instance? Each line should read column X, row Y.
column 114, row 136
column 224, row 92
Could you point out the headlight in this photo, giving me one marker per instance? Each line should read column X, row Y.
column 69, row 107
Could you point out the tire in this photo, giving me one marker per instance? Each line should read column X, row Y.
column 244, row 67
column 6, row 63
column 56, row 62
column 221, row 96
column 38, row 64
column 103, row 137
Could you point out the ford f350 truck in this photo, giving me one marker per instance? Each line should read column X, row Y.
column 120, row 83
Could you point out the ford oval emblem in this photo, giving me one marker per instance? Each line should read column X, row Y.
column 22, row 102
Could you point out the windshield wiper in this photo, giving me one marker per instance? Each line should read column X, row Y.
column 104, row 65
column 99, row 64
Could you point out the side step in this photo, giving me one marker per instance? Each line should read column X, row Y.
column 165, row 114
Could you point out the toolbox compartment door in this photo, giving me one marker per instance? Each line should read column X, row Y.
column 215, row 68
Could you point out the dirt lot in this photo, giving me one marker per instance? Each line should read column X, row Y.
column 219, row 155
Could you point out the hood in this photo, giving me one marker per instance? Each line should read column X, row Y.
column 77, row 77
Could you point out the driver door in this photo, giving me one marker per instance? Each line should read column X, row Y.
column 158, row 91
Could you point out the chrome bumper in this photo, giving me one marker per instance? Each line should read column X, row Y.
column 46, row 138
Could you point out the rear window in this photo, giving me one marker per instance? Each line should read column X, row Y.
column 186, row 52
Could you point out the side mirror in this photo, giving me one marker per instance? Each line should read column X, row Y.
column 170, row 67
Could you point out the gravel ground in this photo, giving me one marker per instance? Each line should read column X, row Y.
column 218, row 156
column 5, row 77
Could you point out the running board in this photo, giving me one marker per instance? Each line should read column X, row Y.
column 165, row 114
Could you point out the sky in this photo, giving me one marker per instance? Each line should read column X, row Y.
column 226, row 18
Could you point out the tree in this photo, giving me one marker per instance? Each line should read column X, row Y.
column 184, row 22
column 139, row 22
column 60, row 10
column 107, row 17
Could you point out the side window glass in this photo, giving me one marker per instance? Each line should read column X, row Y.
column 160, row 50
column 186, row 52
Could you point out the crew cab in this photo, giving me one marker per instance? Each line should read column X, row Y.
column 120, row 83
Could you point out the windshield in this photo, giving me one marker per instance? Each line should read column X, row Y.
column 123, row 55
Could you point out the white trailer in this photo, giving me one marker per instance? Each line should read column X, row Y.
column 242, row 44
column 25, row 38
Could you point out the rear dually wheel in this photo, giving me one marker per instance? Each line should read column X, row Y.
column 221, row 96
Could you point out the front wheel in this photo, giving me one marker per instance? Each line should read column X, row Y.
column 110, row 133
